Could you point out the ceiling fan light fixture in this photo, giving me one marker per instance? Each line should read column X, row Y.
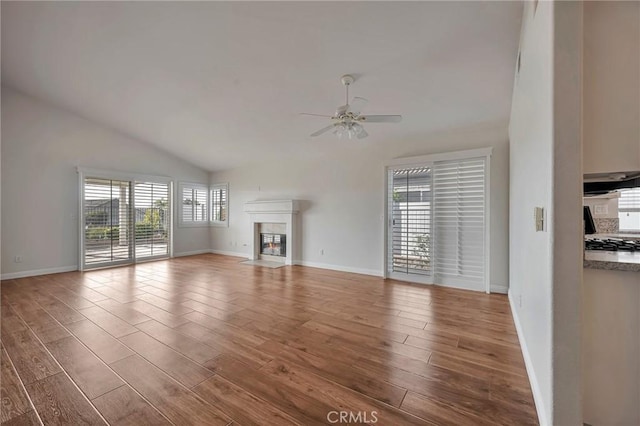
column 349, row 130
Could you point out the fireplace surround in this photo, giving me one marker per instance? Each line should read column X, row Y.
column 273, row 217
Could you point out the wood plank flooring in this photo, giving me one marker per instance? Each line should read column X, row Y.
column 205, row 340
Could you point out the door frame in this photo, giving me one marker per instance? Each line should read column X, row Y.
column 429, row 159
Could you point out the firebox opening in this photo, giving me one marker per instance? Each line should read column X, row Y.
column 273, row 244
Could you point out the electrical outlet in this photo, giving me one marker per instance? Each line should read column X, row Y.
column 520, row 300
column 602, row 209
column 321, row 252
column 17, row 259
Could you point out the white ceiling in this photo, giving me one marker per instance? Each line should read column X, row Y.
column 220, row 84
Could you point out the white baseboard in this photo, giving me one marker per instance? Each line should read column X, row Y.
column 35, row 272
column 503, row 289
column 535, row 386
column 339, row 268
column 191, row 253
column 229, row 253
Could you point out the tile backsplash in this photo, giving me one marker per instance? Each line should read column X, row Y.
column 607, row 225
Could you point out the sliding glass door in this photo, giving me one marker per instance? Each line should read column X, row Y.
column 124, row 221
column 437, row 223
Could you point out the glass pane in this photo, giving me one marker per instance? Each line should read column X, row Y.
column 106, row 221
column 152, row 219
column 410, row 212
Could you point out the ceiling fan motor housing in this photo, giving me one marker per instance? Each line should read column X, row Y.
column 347, row 79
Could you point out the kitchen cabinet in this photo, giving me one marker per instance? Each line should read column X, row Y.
column 611, row 86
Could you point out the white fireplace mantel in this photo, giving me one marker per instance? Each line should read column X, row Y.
column 271, row 206
column 273, row 211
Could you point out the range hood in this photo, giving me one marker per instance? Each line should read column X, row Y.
column 603, row 183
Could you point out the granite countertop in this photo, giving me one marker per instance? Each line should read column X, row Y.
column 625, row 236
column 612, row 260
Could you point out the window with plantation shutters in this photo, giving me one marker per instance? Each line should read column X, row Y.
column 629, row 209
column 220, row 204
column 437, row 209
column 459, row 222
column 194, row 204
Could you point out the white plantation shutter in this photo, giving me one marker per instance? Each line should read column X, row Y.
column 459, row 222
column 220, row 204
column 194, row 205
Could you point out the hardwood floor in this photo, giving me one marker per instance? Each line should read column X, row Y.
column 206, row 340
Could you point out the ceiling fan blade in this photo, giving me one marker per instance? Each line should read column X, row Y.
column 315, row 115
column 341, row 110
column 357, row 104
column 381, row 118
column 323, row 130
column 363, row 134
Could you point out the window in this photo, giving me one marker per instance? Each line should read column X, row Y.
column 219, row 197
column 194, row 204
column 629, row 209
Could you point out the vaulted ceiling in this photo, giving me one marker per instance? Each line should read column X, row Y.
column 221, row 84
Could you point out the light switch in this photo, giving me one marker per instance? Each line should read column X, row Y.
column 538, row 215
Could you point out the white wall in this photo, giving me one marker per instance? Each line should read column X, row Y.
column 545, row 163
column 611, row 86
column 41, row 147
column 342, row 193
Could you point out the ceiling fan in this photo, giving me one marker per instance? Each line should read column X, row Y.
column 348, row 119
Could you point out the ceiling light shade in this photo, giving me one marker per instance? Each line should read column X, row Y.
column 348, row 130
column 341, row 130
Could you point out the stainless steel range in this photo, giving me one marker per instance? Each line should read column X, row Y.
column 612, row 244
